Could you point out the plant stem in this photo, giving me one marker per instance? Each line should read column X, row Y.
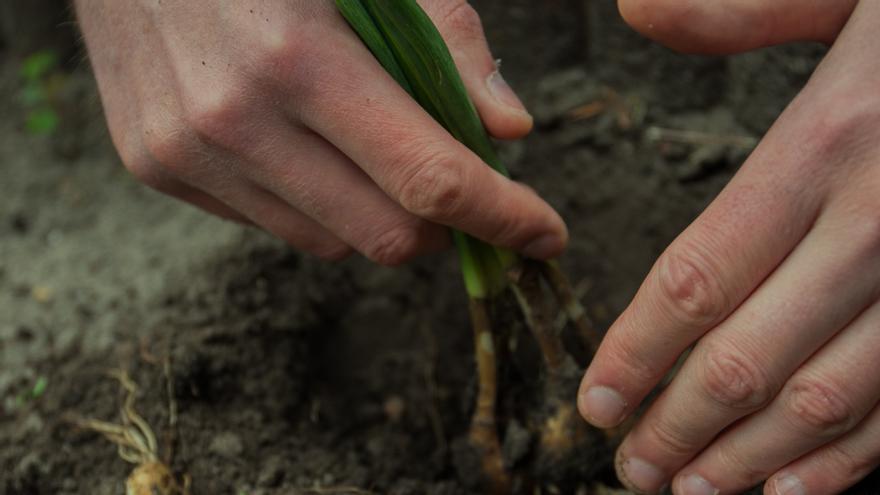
column 526, row 284
column 484, row 430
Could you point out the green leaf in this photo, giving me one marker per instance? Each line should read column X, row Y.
column 42, row 121
column 428, row 66
column 359, row 19
column 407, row 44
column 39, row 387
column 39, row 64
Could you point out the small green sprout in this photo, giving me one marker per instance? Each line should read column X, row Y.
column 40, row 77
column 39, row 387
column 35, row 392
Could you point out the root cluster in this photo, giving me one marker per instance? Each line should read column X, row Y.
column 557, row 435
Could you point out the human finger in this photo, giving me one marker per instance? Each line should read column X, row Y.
column 834, row 467
column 827, row 397
column 418, row 163
column 499, row 107
column 696, row 283
column 739, row 367
column 731, row 26
column 232, row 196
column 265, row 209
column 164, row 183
column 312, row 176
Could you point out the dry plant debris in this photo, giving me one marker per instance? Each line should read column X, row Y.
column 136, row 444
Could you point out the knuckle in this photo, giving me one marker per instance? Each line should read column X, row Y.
column 843, row 128
column 147, row 173
column 293, row 45
column 670, row 439
column 393, row 247
column 167, row 146
column 733, row 379
column 819, row 408
column 295, row 58
column 435, row 189
column 214, row 117
column 138, row 162
column 689, row 289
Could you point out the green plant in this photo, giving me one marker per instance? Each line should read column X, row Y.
column 34, row 393
column 40, row 76
column 407, row 44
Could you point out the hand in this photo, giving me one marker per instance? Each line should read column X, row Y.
column 273, row 113
column 776, row 284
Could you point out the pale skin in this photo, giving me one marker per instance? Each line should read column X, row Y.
column 278, row 117
column 775, row 285
column 272, row 112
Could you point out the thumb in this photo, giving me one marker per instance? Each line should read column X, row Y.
column 501, row 110
column 731, row 26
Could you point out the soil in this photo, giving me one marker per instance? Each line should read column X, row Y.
column 291, row 375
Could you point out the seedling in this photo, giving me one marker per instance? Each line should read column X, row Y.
column 41, row 80
column 37, row 391
column 407, row 44
column 136, row 444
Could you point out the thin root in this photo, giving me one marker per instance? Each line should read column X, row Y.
column 561, row 430
column 484, row 430
column 575, row 311
column 137, row 445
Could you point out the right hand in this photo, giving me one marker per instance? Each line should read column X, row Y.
column 274, row 113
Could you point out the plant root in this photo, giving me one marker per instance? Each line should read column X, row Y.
column 484, row 429
column 574, row 310
column 563, row 441
column 136, row 444
column 562, row 430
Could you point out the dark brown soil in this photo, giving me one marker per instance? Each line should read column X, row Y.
column 296, row 376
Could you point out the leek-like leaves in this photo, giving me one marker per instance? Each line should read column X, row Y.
column 407, row 44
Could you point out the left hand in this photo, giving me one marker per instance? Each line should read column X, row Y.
column 776, row 284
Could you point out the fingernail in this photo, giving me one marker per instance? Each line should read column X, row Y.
column 640, row 475
column 546, row 246
column 694, row 484
column 789, row 485
column 502, row 92
column 603, row 406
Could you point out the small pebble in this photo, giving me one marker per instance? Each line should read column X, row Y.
column 226, row 444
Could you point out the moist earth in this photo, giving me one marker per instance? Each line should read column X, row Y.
column 291, row 375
